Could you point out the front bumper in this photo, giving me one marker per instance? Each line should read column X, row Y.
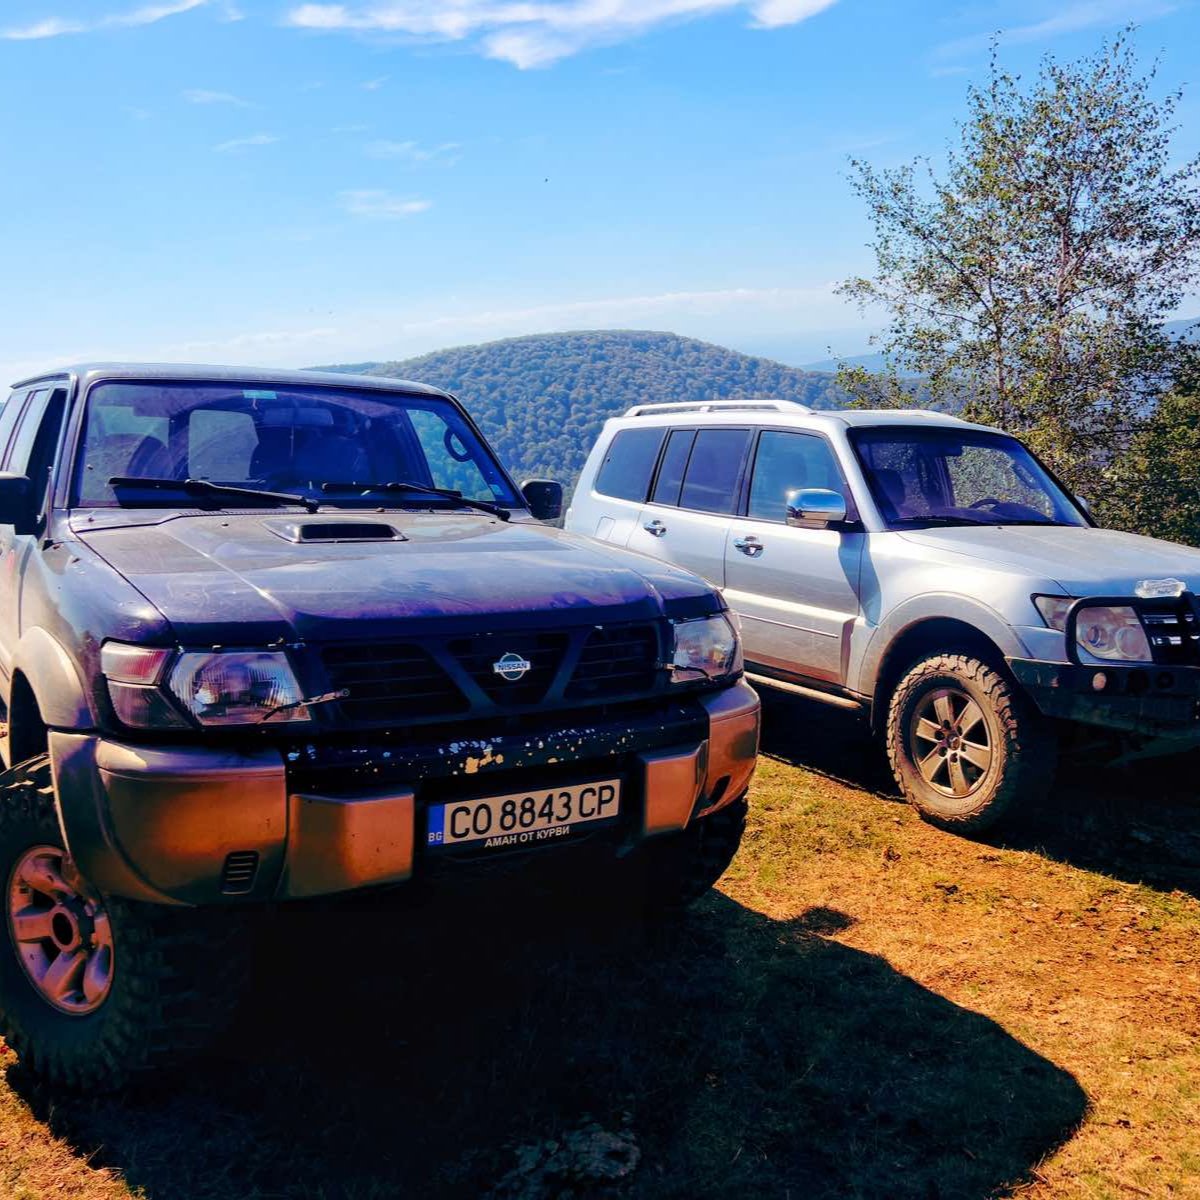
column 1154, row 702
column 200, row 825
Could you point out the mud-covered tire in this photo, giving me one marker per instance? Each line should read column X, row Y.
column 1021, row 752
column 176, row 974
column 684, row 866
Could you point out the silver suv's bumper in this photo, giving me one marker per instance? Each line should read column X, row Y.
column 180, row 824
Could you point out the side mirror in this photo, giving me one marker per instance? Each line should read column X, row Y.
column 16, row 502
column 815, row 508
column 544, row 497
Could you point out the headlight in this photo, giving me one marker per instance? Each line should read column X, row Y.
column 707, row 648
column 1113, row 634
column 238, row 688
column 1054, row 610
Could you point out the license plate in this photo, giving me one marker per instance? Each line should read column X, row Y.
column 522, row 818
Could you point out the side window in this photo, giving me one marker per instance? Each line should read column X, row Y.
column 674, row 463
column 8, row 420
column 785, row 461
column 19, row 447
column 714, row 469
column 220, row 444
column 625, row 472
column 40, row 462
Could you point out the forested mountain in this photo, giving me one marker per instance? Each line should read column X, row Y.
column 541, row 400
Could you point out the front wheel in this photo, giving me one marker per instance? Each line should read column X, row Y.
column 965, row 745
column 95, row 990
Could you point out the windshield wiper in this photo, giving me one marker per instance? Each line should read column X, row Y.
column 205, row 487
column 947, row 521
column 418, row 489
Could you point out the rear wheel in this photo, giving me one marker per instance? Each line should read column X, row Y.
column 965, row 745
column 684, row 866
column 95, row 990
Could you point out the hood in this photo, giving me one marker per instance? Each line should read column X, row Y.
column 1084, row 561
column 250, row 579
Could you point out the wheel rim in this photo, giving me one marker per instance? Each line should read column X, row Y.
column 61, row 932
column 950, row 742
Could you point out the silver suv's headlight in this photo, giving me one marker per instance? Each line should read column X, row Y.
column 1113, row 634
column 705, row 648
column 238, row 687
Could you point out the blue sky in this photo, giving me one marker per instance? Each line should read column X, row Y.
column 290, row 183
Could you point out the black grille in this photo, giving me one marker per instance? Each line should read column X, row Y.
column 616, row 660
column 1174, row 634
column 240, row 869
column 391, row 681
column 479, row 657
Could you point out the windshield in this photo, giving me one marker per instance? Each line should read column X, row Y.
column 284, row 440
column 958, row 477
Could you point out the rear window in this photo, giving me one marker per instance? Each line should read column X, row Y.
column 625, row 472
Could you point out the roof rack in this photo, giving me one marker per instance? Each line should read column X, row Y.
column 708, row 406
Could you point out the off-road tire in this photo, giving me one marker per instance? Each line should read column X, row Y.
column 684, row 866
column 1023, row 751
column 177, row 973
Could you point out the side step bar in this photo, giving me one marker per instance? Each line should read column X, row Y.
column 808, row 693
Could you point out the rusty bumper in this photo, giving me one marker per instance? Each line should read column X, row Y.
column 197, row 825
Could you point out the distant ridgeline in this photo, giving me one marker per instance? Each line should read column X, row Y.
column 541, row 400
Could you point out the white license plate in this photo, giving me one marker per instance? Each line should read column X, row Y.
column 523, row 818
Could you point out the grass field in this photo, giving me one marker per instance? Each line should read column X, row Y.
column 867, row 1008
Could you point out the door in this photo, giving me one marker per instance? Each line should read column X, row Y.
column 795, row 589
column 693, row 499
column 29, row 451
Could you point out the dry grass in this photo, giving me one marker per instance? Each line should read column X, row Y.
column 870, row 1009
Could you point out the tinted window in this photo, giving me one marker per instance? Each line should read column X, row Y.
column 674, row 463
column 17, row 458
column 45, row 445
column 627, row 467
column 714, row 470
column 785, row 461
column 8, row 419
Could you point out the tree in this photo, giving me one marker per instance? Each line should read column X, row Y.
column 1029, row 282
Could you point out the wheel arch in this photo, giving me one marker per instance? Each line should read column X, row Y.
column 923, row 637
column 46, row 693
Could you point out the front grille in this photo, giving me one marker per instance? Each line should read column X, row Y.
column 391, row 681
column 396, row 682
column 479, row 657
column 616, row 660
column 1174, row 634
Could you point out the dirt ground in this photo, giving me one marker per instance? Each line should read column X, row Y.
column 866, row 1008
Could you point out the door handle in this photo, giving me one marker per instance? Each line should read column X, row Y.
column 656, row 528
column 749, row 546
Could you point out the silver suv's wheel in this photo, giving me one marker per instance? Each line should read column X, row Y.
column 964, row 744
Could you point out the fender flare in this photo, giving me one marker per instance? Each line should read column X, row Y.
column 933, row 606
column 55, row 681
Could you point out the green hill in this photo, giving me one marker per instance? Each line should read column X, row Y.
column 541, row 400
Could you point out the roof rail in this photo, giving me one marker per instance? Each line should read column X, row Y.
column 708, row 406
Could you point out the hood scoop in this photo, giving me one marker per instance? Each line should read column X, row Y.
column 308, row 533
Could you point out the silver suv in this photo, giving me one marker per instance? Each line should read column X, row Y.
column 926, row 570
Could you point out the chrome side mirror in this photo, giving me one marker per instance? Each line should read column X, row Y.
column 815, row 508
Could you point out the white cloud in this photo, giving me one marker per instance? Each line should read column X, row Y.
column 445, row 155
column 245, row 143
column 149, row 14
column 1063, row 19
column 376, row 204
column 373, row 85
column 536, row 33
column 202, row 96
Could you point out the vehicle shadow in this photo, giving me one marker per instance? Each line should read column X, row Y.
column 448, row 1047
column 1139, row 822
